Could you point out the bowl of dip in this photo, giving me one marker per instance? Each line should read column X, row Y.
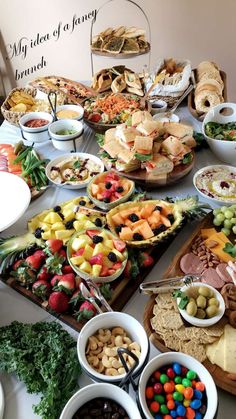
column 70, row 112
column 34, row 126
column 166, row 117
column 66, row 134
column 217, row 183
column 157, row 106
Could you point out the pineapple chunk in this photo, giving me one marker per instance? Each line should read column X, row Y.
column 57, row 226
column 89, row 224
column 119, row 255
column 86, row 267
column 104, row 235
column 109, row 243
column 52, row 217
column 78, row 243
column 100, row 248
column 107, row 262
column 80, row 217
column 63, row 234
column 32, row 225
column 48, row 235
column 45, row 226
column 69, row 206
column 68, row 215
column 77, row 260
column 78, row 225
column 88, row 252
column 86, row 237
column 96, row 270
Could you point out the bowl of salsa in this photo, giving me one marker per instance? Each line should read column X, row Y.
column 34, row 126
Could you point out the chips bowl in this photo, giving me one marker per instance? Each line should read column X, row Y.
column 17, row 104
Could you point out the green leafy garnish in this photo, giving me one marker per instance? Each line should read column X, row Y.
column 143, row 157
column 184, row 299
column 187, row 158
column 44, row 356
column 77, row 164
column 105, row 155
column 100, row 139
column 230, row 249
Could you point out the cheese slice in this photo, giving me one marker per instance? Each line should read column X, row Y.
column 230, row 349
column 221, row 239
column 215, row 352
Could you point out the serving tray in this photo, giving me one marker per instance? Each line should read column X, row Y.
column 120, row 55
column 221, row 378
column 191, row 104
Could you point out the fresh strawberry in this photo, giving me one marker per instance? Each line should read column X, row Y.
column 24, row 275
column 91, row 233
column 67, row 283
column 111, row 272
column 34, row 261
column 41, row 288
column 41, row 254
column 111, row 176
column 117, row 195
column 76, row 298
column 58, row 301
column 54, row 245
column 17, row 264
column 96, row 260
column 145, row 260
column 67, row 269
column 62, row 253
column 54, row 281
column 86, row 311
column 117, row 266
column 79, row 252
column 104, row 271
column 107, row 193
column 43, row 274
column 119, row 245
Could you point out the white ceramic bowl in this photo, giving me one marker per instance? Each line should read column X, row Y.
column 224, row 150
column 205, row 169
column 77, row 108
column 166, row 117
column 93, row 391
column 81, row 156
column 157, row 106
column 109, row 320
column 203, row 322
column 36, row 135
column 68, row 142
column 85, row 275
column 187, row 361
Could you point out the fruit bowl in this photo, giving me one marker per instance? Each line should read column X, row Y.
column 97, row 254
column 119, row 191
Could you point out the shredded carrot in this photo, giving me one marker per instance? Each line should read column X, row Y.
column 113, row 104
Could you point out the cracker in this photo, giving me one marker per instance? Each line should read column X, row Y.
column 194, row 349
column 171, row 341
column 165, row 302
column 171, row 320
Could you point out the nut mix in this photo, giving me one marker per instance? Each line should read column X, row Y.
column 101, row 351
column 206, row 256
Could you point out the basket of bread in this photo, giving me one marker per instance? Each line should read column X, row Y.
column 210, row 89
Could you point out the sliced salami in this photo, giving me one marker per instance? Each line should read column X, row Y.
column 223, row 273
column 191, row 264
column 211, row 277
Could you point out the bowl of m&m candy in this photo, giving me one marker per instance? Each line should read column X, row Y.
column 177, row 386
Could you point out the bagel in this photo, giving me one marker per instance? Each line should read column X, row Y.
column 209, row 84
column 206, row 99
column 206, row 67
column 214, row 75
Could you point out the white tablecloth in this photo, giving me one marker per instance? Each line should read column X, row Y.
column 13, row 306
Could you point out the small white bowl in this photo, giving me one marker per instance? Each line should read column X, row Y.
column 36, row 135
column 157, row 106
column 203, row 322
column 93, row 391
column 68, row 142
column 166, row 117
column 224, row 150
column 187, row 361
column 109, row 320
column 77, row 108
column 205, row 169
column 81, row 156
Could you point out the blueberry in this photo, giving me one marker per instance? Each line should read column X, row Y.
column 120, row 189
column 158, row 208
column 108, row 185
column 112, row 257
column 137, row 236
column 69, row 224
column 171, row 218
column 61, row 215
column 82, row 202
column 106, row 200
column 98, row 222
column 38, row 233
column 57, row 208
column 159, row 229
column 97, row 239
column 119, row 227
column 133, row 217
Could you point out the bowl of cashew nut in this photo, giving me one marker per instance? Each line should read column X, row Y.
column 99, row 341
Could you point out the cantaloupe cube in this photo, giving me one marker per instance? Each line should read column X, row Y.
column 147, row 210
column 117, row 219
column 128, row 223
column 154, row 219
column 146, row 231
column 137, row 224
column 126, row 212
column 166, row 209
column 94, row 189
column 164, row 220
column 126, row 233
column 77, row 260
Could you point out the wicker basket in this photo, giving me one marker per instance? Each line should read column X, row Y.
column 11, row 116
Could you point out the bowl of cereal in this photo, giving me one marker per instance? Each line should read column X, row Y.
column 98, row 344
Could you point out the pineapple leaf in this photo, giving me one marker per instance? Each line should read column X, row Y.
column 191, row 204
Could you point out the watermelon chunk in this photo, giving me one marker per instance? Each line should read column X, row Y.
column 104, row 271
column 92, row 233
column 117, row 266
column 79, row 252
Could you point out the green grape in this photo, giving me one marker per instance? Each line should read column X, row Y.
column 216, row 222
column 226, row 231
column 234, row 229
column 216, row 211
column 220, row 217
column 228, row 223
column 233, row 220
column 229, row 214
column 224, row 208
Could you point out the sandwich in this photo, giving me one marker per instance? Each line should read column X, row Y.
column 178, row 130
column 176, row 151
column 139, row 117
column 126, row 135
column 148, row 127
column 143, row 144
column 159, row 165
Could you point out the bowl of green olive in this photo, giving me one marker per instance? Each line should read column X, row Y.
column 200, row 304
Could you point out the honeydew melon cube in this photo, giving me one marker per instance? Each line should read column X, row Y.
column 100, row 248
column 57, row 226
column 96, row 269
column 86, row 267
column 80, row 217
column 77, row 260
column 88, row 252
column 119, row 255
column 78, row 243
column 68, row 215
column 64, row 234
column 52, row 217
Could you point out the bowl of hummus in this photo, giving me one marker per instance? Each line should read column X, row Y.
column 217, row 183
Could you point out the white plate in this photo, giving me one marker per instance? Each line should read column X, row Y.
column 166, row 117
column 15, row 198
column 1, row 401
column 82, row 156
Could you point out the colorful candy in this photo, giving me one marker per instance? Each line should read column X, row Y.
column 175, row 392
